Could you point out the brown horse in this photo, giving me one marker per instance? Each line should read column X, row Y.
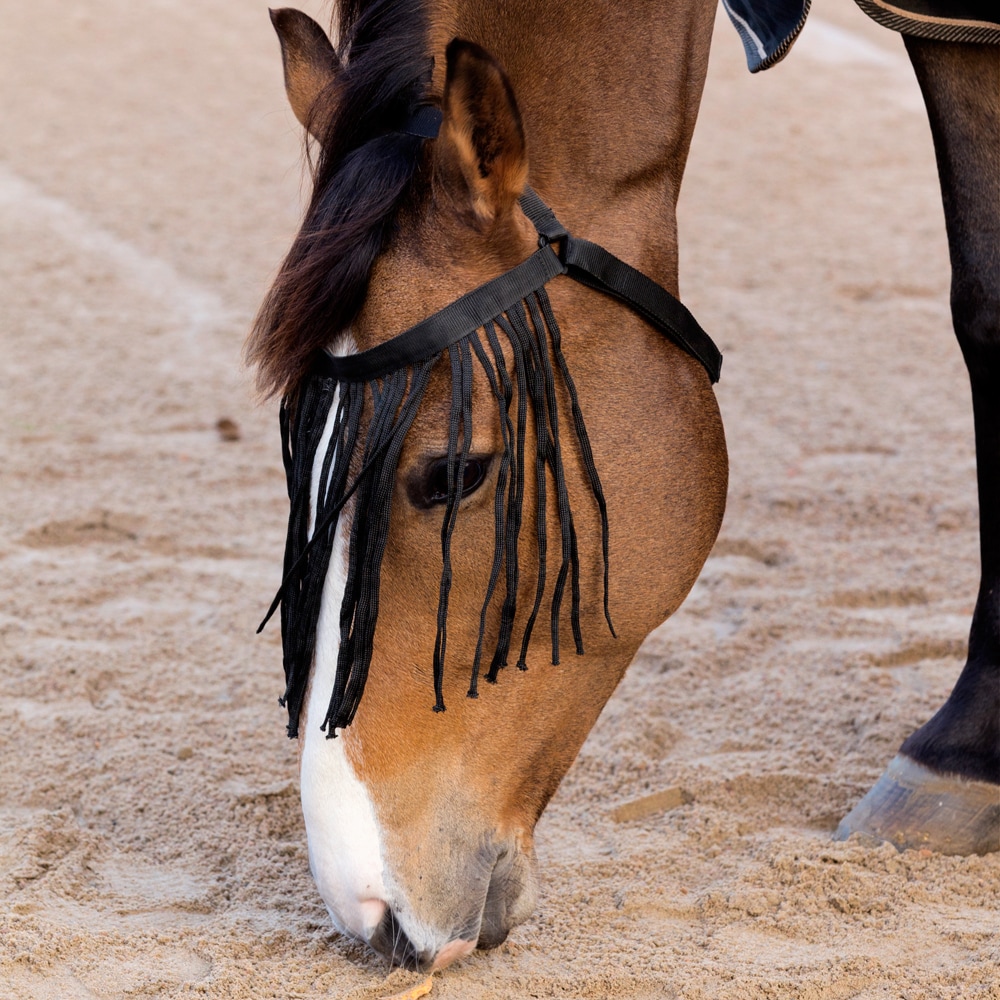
column 420, row 824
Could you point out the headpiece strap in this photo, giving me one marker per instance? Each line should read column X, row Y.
column 586, row 262
column 424, row 123
column 593, row 266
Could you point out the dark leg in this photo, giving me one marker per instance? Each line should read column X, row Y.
column 943, row 790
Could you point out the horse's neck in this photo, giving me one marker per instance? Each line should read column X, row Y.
column 609, row 93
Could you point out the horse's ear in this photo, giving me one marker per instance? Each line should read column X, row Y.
column 482, row 147
column 310, row 62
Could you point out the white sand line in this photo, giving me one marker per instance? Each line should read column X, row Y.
column 196, row 309
column 828, row 43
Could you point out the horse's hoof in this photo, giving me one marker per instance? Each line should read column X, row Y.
column 912, row 806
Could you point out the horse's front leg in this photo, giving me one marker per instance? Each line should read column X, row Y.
column 943, row 789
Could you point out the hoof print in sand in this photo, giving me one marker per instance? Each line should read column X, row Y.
column 97, row 528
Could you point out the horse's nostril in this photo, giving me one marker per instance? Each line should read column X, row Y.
column 389, row 939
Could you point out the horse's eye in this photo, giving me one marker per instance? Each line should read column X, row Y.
column 430, row 487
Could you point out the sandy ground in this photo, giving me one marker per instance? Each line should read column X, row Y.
column 151, row 843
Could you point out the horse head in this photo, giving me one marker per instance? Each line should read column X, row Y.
column 500, row 505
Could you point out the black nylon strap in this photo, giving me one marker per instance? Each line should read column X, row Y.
column 542, row 217
column 593, row 266
column 449, row 325
column 425, row 122
column 581, row 260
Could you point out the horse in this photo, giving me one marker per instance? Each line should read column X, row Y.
column 941, row 790
column 484, row 370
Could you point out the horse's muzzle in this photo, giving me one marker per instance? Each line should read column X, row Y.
column 508, row 900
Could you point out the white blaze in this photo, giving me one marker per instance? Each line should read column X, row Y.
column 345, row 853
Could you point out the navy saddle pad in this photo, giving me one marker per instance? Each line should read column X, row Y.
column 769, row 27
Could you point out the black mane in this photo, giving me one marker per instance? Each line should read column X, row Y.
column 363, row 175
